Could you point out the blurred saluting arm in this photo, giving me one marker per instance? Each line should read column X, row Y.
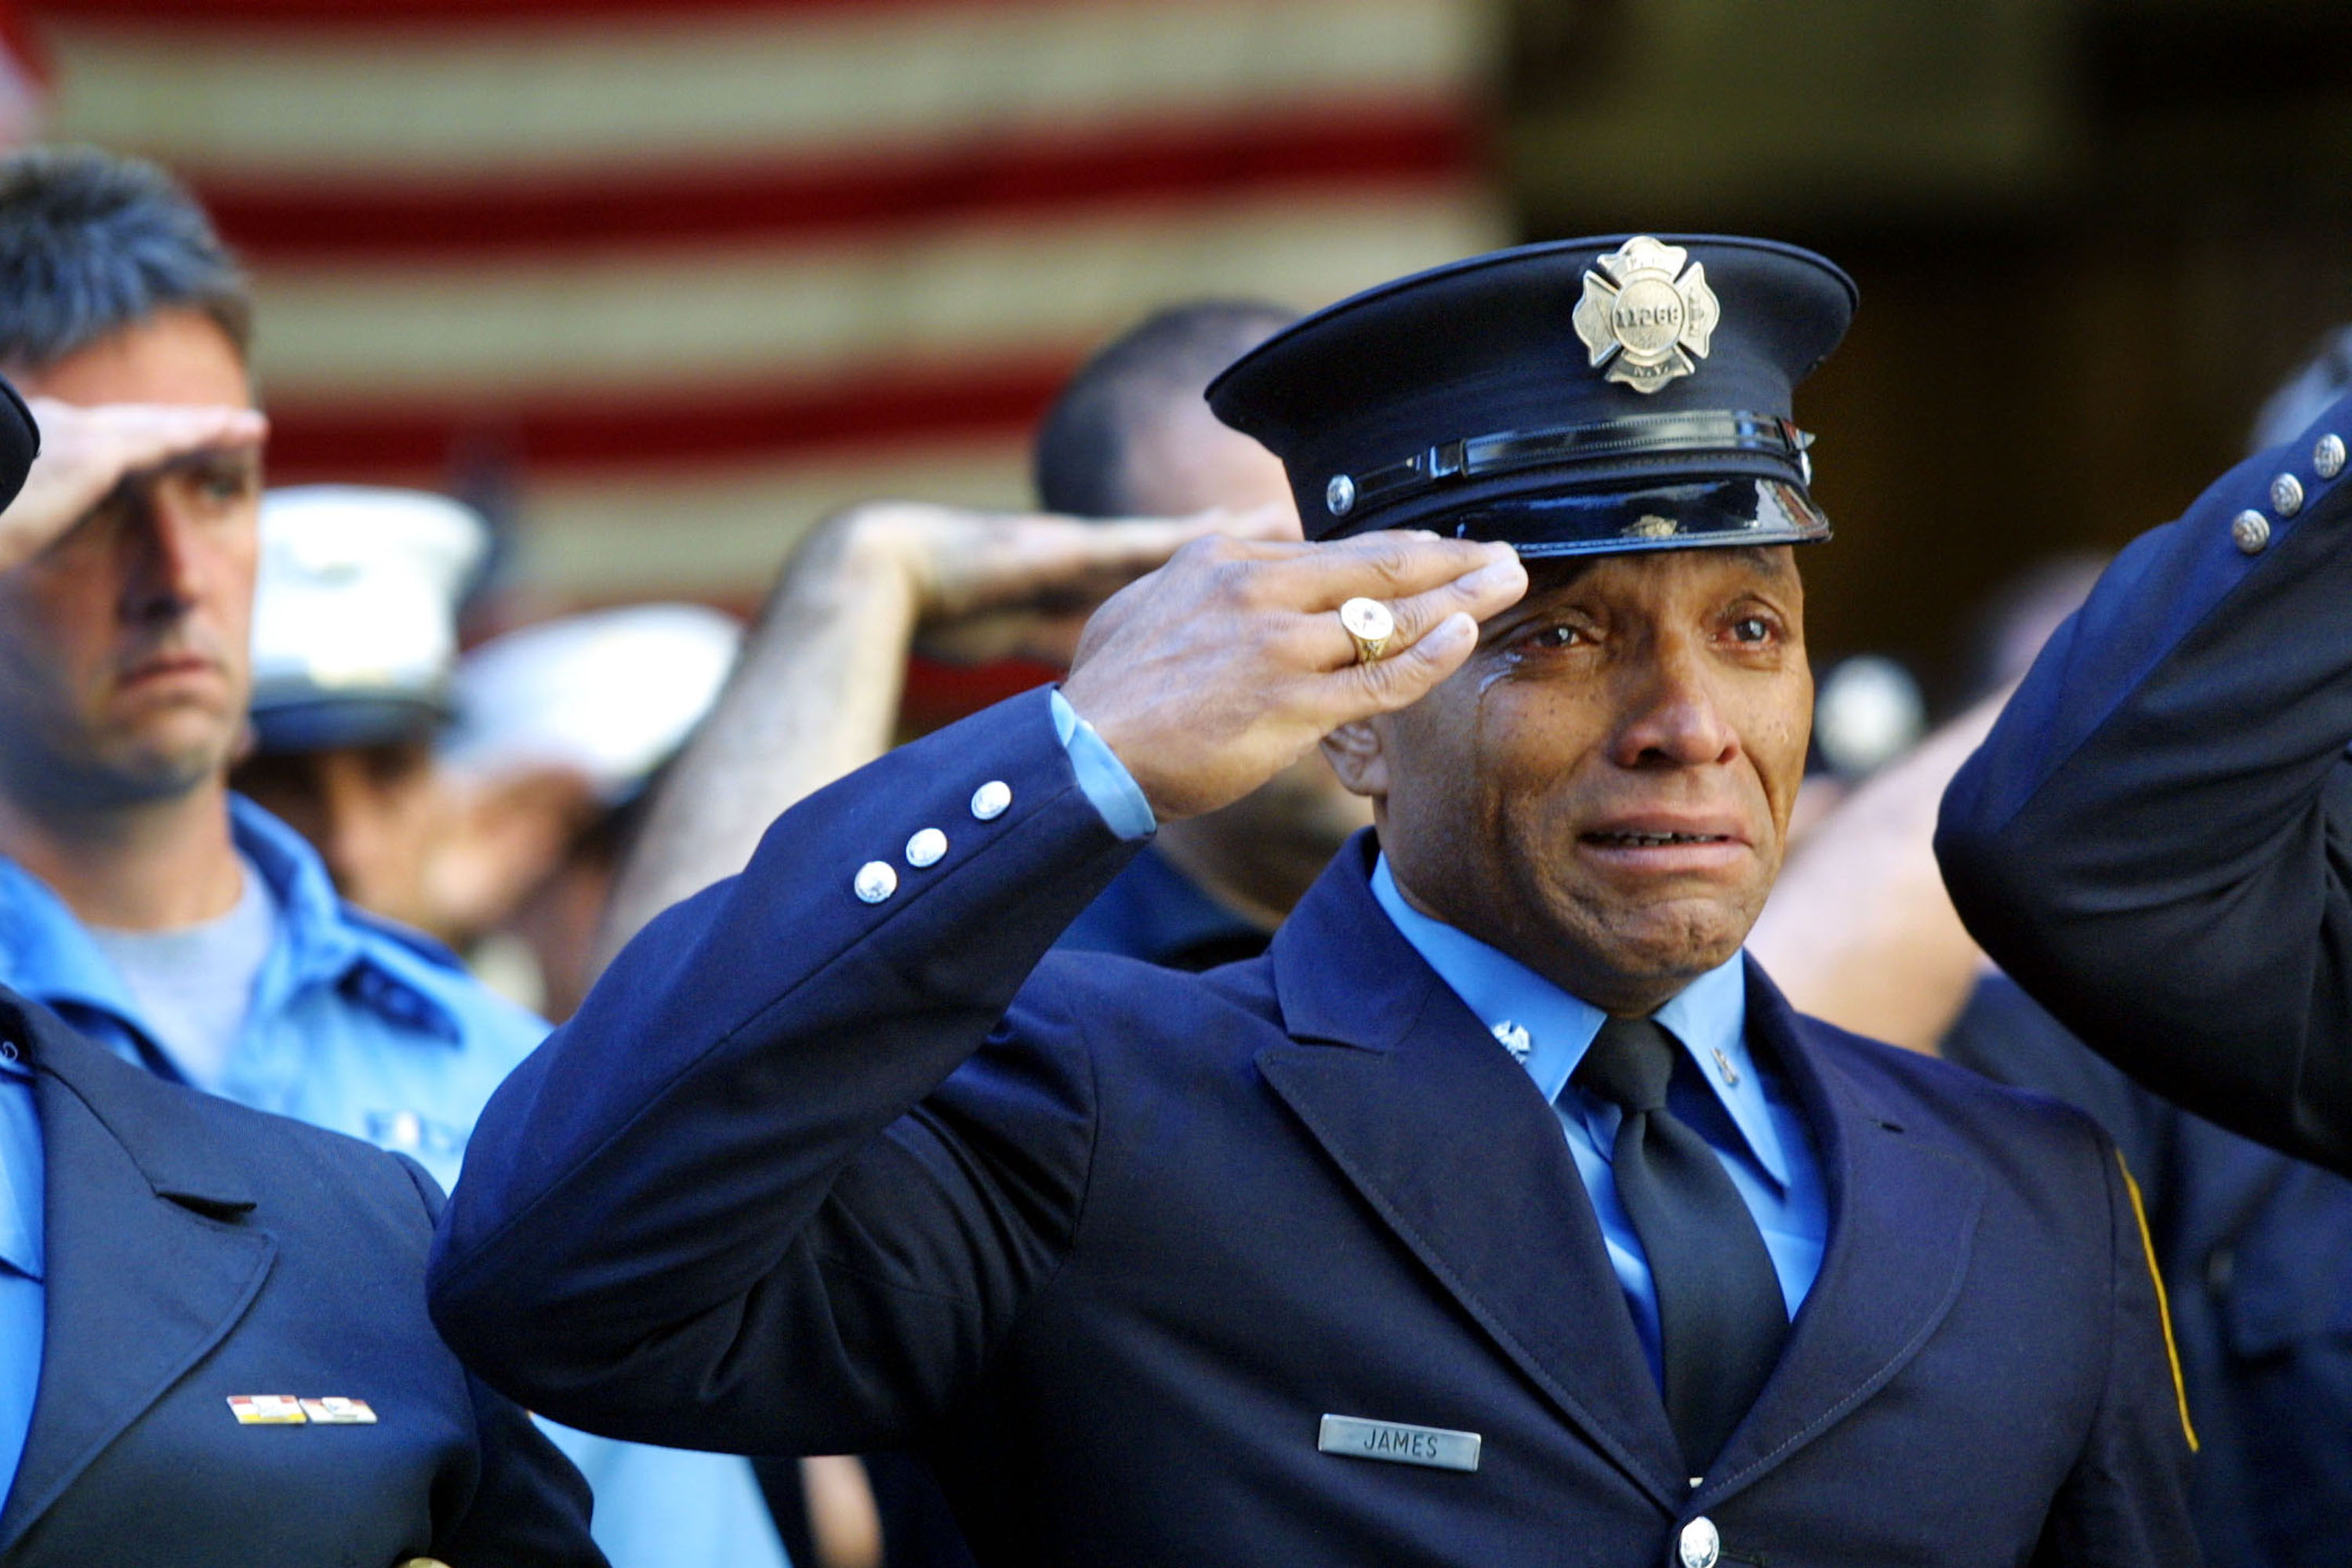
column 87, row 452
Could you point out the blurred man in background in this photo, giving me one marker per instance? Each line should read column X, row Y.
column 190, row 929
column 171, row 1265
column 185, row 927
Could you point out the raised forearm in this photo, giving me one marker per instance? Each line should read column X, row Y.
column 813, row 696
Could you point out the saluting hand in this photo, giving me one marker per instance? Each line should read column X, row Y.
column 1215, row 672
column 991, row 586
column 85, row 452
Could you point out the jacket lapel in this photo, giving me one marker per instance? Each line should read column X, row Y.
column 142, row 1279
column 1903, row 1214
column 1453, row 1146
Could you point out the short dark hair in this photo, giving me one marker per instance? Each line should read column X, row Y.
column 1080, row 459
column 91, row 243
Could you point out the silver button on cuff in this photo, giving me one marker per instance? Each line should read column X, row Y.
column 989, row 800
column 926, row 848
column 875, row 881
column 2251, row 531
column 2286, row 495
column 1340, row 495
column 1700, row 1544
column 2328, row 456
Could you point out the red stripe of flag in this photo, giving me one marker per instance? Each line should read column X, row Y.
column 1381, row 144
column 22, row 44
column 880, row 408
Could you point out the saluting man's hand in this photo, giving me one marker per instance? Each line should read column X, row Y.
column 85, row 452
column 1215, row 672
column 991, row 586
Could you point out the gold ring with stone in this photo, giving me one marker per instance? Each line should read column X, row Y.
column 1369, row 626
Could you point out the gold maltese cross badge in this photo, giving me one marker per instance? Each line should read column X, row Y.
column 1641, row 311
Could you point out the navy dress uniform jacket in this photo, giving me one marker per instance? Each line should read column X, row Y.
column 198, row 1250
column 808, row 1174
column 2256, row 1250
column 2155, row 839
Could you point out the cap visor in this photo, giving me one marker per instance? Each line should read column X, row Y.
column 1707, row 512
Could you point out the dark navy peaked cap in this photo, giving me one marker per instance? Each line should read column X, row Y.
column 20, row 438
column 1577, row 397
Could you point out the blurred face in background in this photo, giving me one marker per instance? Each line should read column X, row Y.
column 124, row 667
column 375, row 813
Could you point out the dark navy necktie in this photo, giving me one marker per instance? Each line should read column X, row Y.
column 1721, row 1316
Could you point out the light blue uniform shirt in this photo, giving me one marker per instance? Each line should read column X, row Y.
column 1751, row 1121
column 22, row 1266
column 359, row 1026
column 354, row 1025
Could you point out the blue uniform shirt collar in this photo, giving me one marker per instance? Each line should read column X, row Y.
column 322, row 942
column 319, row 944
column 1710, row 1017
column 50, row 957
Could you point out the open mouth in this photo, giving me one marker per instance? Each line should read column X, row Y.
column 1653, row 841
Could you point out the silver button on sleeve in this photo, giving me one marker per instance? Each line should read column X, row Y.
column 926, row 848
column 2328, row 456
column 2286, row 495
column 875, row 881
column 2251, row 531
column 989, row 800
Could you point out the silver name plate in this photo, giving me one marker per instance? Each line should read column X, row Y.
column 1398, row 1443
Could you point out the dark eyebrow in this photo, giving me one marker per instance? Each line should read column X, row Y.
column 1771, row 562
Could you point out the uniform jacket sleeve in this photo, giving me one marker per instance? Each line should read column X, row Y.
column 2154, row 838
column 739, row 1201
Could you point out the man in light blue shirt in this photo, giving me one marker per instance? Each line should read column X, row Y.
column 178, row 923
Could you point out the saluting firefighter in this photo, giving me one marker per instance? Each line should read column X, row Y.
column 1504, row 1212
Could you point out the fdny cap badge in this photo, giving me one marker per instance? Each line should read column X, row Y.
column 1644, row 315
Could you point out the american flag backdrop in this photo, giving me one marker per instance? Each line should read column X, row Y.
column 680, row 276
